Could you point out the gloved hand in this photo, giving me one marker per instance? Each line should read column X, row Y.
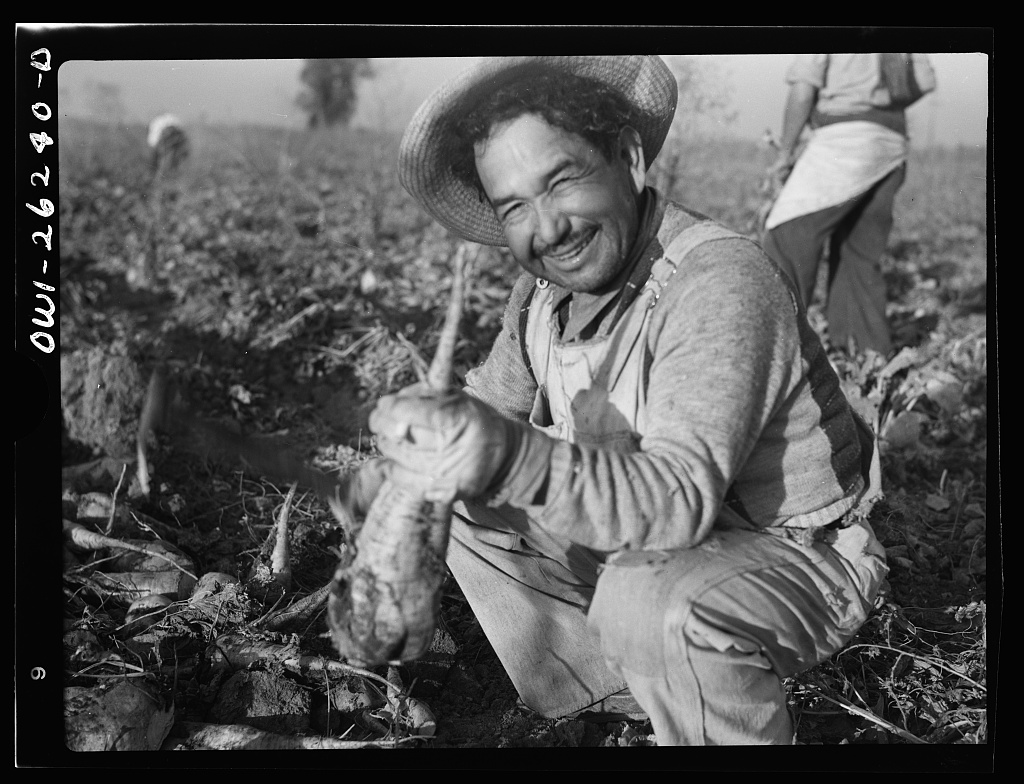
column 445, row 439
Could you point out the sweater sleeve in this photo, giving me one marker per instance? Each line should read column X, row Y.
column 503, row 380
column 726, row 351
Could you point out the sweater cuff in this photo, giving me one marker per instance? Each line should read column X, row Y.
column 529, row 469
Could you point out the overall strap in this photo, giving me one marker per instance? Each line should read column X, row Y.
column 680, row 247
column 661, row 274
column 698, row 234
column 524, row 317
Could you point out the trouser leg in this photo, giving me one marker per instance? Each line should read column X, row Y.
column 796, row 246
column 704, row 636
column 857, row 291
column 532, row 605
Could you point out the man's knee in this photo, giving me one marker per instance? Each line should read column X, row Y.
column 637, row 598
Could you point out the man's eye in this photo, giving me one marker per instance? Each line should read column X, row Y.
column 512, row 212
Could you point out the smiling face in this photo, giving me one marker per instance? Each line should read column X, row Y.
column 569, row 214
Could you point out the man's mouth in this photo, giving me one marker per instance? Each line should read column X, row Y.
column 573, row 251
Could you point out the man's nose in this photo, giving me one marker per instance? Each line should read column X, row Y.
column 552, row 227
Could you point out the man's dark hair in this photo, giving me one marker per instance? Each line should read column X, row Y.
column 585, row 107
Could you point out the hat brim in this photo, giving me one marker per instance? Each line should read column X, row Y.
column 424, row 167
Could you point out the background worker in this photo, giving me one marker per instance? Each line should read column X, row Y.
column 840, row 189
column 168, row 143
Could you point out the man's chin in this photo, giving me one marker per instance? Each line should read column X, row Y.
column 595, row 280
column 589, row 276
column 584, row 284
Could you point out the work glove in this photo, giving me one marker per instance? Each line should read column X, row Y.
column 445, row 440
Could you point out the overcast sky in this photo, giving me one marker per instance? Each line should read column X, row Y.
column 263, row 91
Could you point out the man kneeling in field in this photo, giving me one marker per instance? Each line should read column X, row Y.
column 662, row 486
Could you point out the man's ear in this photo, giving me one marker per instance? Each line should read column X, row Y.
column 632, row 151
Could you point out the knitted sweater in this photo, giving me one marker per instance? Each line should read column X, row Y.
column 745, row 417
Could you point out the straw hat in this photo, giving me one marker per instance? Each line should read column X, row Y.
column 424, row 158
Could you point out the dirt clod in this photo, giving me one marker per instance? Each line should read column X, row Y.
column 263, row 700
column 120, row 716
column 102, row 392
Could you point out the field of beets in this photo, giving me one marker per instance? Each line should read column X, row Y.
column 285, row 281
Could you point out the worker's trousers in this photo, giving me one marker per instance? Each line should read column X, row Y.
column 856, row 232
column 702, row 637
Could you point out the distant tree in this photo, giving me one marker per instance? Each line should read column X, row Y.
column 329, row 95
column 104, row 101
column 703, row 111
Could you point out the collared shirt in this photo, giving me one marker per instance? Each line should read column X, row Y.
column 847, row 84
column 850, row 87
